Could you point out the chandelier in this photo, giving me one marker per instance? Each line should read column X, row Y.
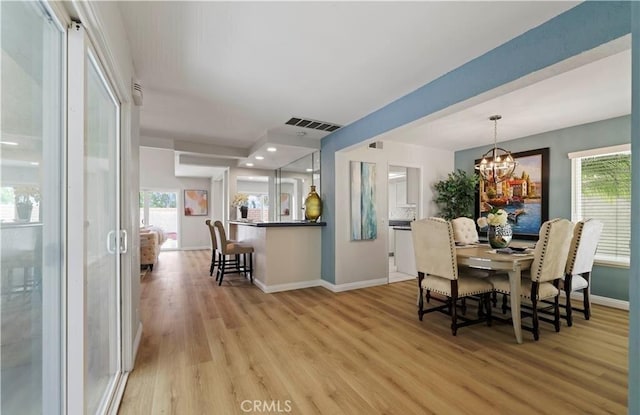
column 497, row 164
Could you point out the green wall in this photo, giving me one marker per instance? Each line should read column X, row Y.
column 607, row 281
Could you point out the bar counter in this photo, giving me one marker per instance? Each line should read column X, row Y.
column 287, row 255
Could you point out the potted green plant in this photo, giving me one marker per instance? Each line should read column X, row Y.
column 25, row 197
column 456, row 194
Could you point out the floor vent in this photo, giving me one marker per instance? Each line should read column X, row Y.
column 313, row 124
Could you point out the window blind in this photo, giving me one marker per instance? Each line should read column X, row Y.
column 602, row 191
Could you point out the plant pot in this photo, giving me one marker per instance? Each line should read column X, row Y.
column 23, row 211
column 244, row 211
column 499, row 236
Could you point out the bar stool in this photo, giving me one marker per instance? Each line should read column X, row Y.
column 226, row 248
column 214, row 245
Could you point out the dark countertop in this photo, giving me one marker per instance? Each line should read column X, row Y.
column 402, row 228
column 291, row 223
column 399, row 222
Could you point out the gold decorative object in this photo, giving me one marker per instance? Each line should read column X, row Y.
column 312, row 205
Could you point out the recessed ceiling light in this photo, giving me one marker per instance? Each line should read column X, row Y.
column 9, row 143
column 272, row 149
column 35, row 163
column 259, row 157
column 309, row 170
column 249, row 164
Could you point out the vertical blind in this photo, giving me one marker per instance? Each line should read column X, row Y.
column 602, row 191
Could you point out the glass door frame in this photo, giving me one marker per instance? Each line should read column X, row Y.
column 79, row 52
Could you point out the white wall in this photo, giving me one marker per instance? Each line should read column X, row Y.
column 216, row 200
column 368, row 260
column 157, row 171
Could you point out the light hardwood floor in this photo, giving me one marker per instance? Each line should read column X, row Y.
column 206, row 349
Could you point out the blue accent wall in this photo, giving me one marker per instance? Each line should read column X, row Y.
column 606, row 281
column 580, row 29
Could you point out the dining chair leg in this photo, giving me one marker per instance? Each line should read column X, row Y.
column 213, row 262
column 494, row 298
column 452, row 306
column 556, row 313
column 587, row 304
column 251, row 267
column 534, row 311
column 487, row 305
column 420, row 296
column 567, row 294
column 504, row 304
column 428, row 296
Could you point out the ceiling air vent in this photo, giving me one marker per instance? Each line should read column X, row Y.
column 313, row 124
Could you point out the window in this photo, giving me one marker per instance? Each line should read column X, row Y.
column 602, row 190
column 258, row 204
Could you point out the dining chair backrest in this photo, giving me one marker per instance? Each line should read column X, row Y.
column 221, row 237
column 584, row 244
column 464, row 231
column 434, row 248
column 551, row 251
column 212, row 232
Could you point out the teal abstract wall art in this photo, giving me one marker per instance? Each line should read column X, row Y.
column 364, row 221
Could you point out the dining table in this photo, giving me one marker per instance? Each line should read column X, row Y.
column 487, row 258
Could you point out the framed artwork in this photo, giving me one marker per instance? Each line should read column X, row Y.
column 525, row 196
column 285, row 204
column 364, row 223
column 196, row 203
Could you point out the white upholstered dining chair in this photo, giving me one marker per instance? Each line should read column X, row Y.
column 547, row 269
column 438, row 272
column 464, row 231
column 586, row 235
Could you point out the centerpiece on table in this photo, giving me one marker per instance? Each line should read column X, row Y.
column 241, row 201
column 499, row 233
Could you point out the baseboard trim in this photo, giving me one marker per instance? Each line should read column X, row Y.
column 576, row 297
column 337, row 288
column 136, row 344
column 609, row 302
column 399, row 277
column 286, row 287
column 196, row 248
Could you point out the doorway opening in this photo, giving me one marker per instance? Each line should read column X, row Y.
column 159, row 208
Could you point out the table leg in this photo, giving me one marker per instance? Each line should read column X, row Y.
column 514, row 282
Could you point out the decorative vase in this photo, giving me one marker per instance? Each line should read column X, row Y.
column 499, row 236
column 23, row 211
column 244, row 211
column 312, row 205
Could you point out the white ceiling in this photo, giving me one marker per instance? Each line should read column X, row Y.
column 592, row 92
column 229, row 73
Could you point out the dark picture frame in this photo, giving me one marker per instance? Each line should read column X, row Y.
column 525, row 197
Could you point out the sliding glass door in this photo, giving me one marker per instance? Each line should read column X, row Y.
column 94, row 337
column 102, row 236
column 31, row 143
